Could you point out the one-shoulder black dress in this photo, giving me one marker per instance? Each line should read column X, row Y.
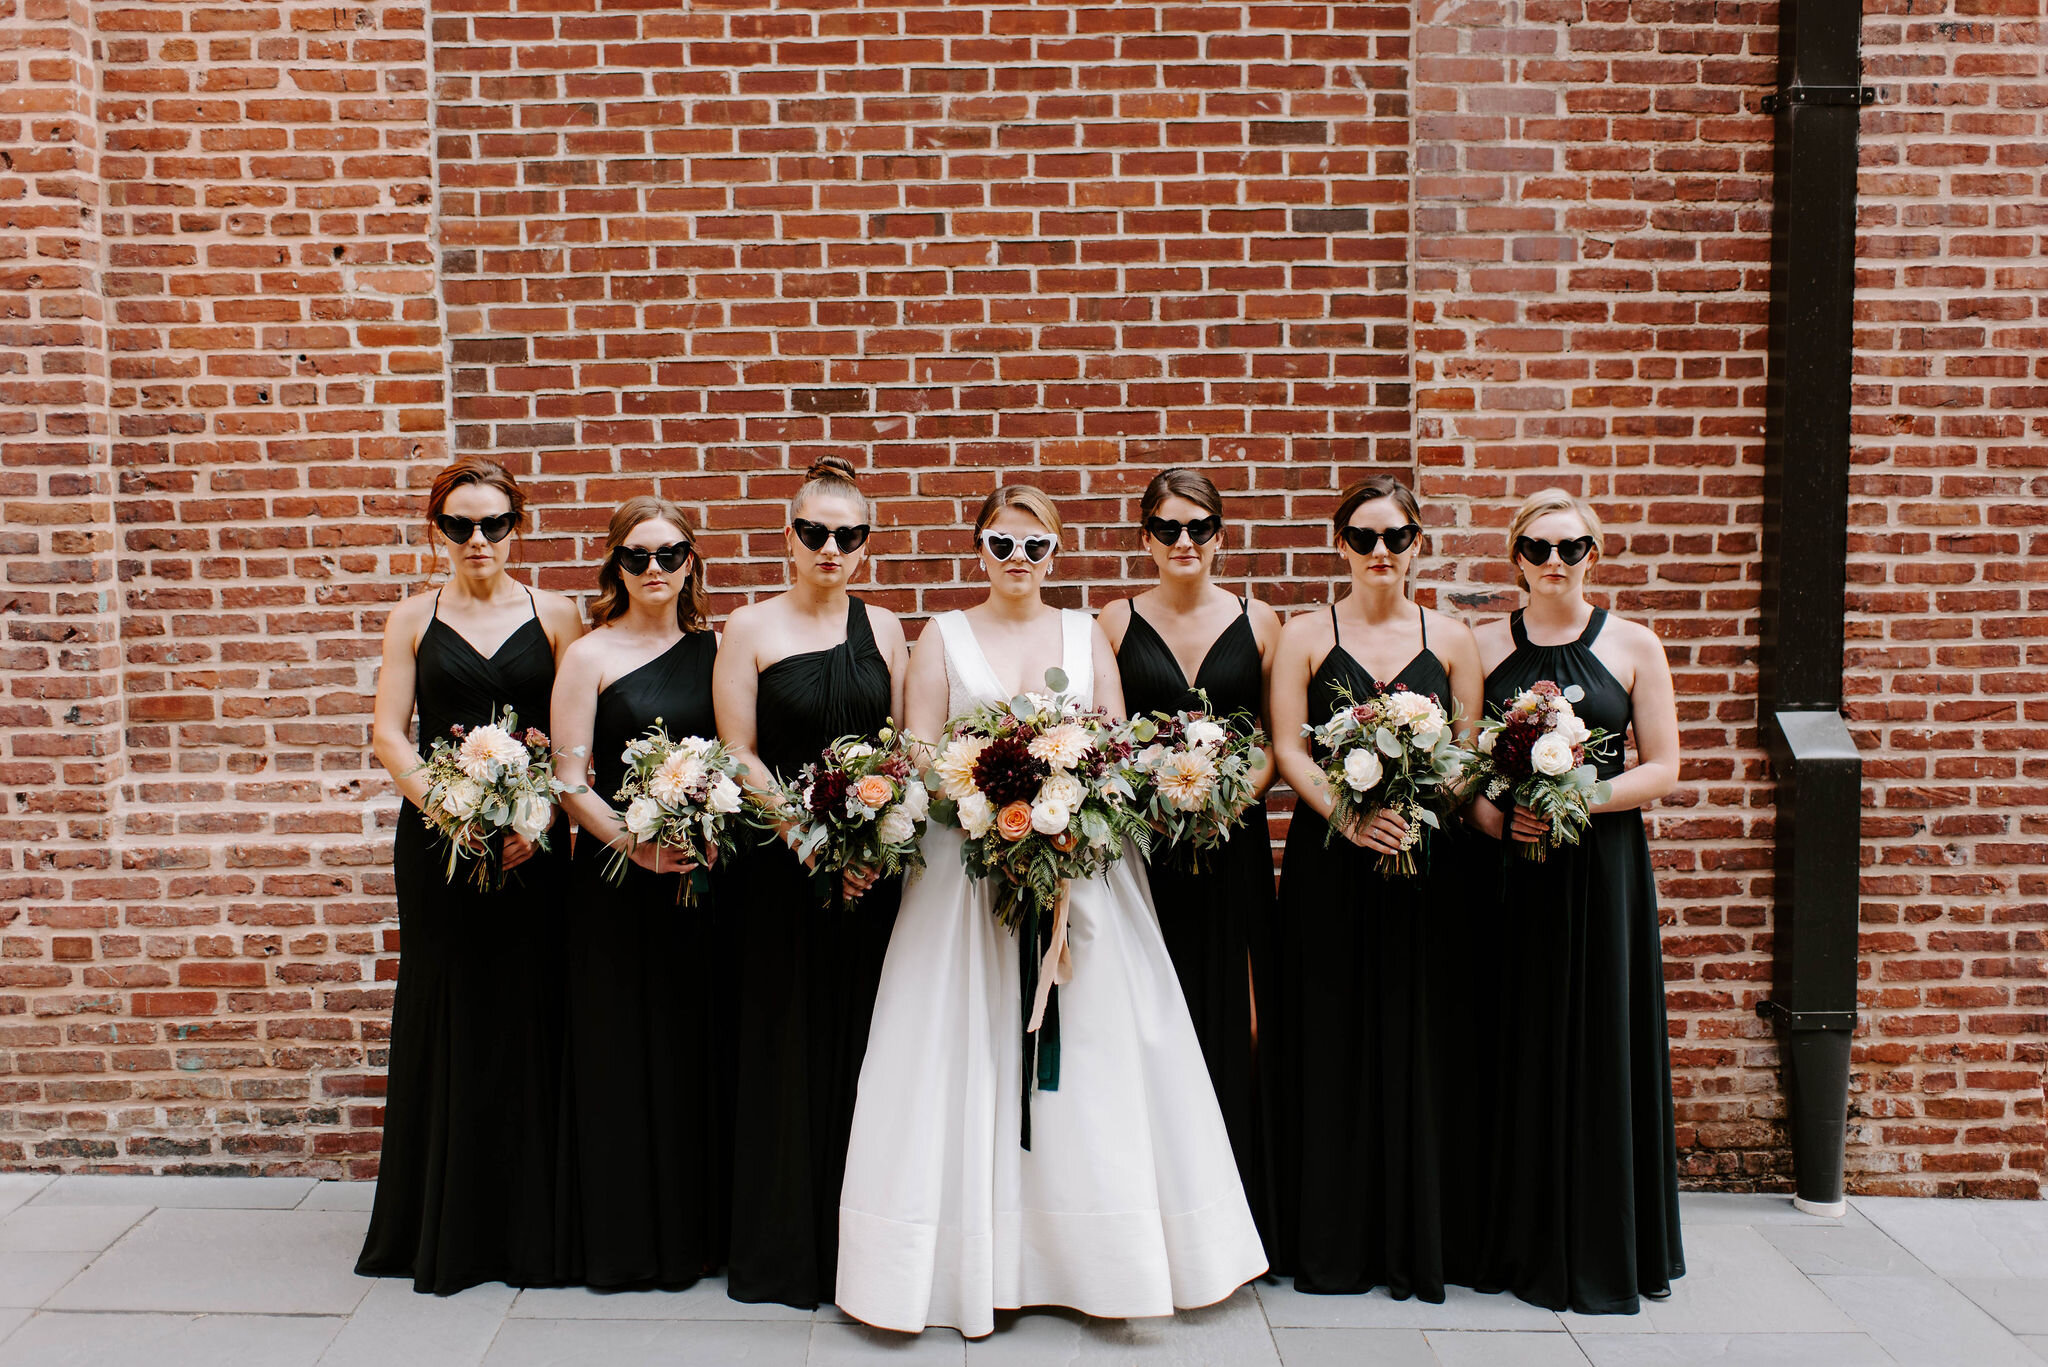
column 1215, row 921
column 645, row 1180
column 1349, row 1065
column 808, row 970
column 466, row 1184
column 1585, row 1188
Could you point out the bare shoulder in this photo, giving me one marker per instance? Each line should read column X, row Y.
column 1494, row 634
column 1633, row 636
column 886, row 625
column 1264, row 619
column 1114, row 620
column 1306, row 627
column 409, row 617
column 1450, row 630
column 588, row 647
column 559, row 615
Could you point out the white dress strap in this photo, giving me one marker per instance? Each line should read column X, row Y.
column 971, row 679
column 1077, row 654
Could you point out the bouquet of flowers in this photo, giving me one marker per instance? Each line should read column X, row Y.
column 860, row 804
column 1537, row 750
column 1193, row 774
column 1391, row 751
column 483, row 781
column 1040, row 787
column 681, row 793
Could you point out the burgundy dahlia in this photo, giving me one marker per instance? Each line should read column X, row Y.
column 828, row 794
column 1007, row 771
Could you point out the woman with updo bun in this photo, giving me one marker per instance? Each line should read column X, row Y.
column 794, row 674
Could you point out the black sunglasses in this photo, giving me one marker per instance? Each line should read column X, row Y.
column 460, row 529
column 1201, row 531
column 635, row 559
column 1536, row 552
column 1398, row 539
column 814, row 535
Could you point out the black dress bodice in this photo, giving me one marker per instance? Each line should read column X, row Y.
column 455, row 685
column 1230, row 674
column 1605, row 707
column 807, row 701
column 1340, row 676
column 673, row 688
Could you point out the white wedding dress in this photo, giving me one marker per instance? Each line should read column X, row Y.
column 1128, row 1202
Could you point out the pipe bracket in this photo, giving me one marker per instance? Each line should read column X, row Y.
column 1786, row 1019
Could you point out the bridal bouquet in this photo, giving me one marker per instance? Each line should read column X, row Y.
column 1391, row 751
column 860, row 804
column 1537, row 751
column 681, row 793
column 483, row 781
column 1039, row 785
column 1194, row 775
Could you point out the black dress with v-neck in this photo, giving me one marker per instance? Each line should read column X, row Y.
column 466, row 1182
column 808, row 969
column 645, row 1185
column 1216, row 915
column 1349, row 1066
column 1585, row 1182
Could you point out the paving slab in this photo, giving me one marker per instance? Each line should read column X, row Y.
column 1842, row 1250
column 1747, row 1208
column 29, row 1279
column 1966, row 1238
column 1461, row 1309
column 2039, row 1343
column 49, row 1229
column 1470, row 1348
column 395, row 1324
column 1925, row 1322
column 18, row 1187
column 649, row 1343
column 191, row 1193
column 704, row 1301
column 279, row 1262
column 94, row 1340
column 1736, row 1282
column 340, row 1196
column 1733, row 1350
column 854, row 1345
column 11, row 1320
column 2018, row 1303
column 1352, row 1347
column 1231, row 1334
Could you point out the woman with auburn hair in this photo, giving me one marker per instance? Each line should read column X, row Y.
column 466, row 1184
column 1584, row 1189
column 1355, row 1077
column 796, row 673
column 645, row 1183
column 1183, row 644
column 1127, row 1201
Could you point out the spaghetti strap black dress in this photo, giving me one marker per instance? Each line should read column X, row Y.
column 1215, row 921
column 1345, row 1043
column 808, row 969
column 466, row 1183
column 1585, row 1186
column 645, row 1185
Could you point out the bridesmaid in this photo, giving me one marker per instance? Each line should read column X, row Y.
column 796, row 673
column 645, row 1181
column 466, row 1186
column 1350, row 1064
column 1585, row 1188
column 1187, row 634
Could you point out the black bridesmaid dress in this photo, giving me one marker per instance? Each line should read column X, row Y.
column 1215, row 921
column 466, row 1185
column 645, row 1146
column 808, row 970
column 1350, row 1066
column 1585, row 1184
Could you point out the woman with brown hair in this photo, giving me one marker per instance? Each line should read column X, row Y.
column 466, row 1184
column 1188, row 643
column 796, row 673
column 644, row 1174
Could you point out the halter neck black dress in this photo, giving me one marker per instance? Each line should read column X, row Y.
column 1215, row 922
column 1585, row 1190
column 1350, row 1065
column 809, row 967
column 646, row 1156
column 466, row 1184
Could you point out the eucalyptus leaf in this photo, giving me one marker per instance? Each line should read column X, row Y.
column 1389, row 747
column 1056, row 679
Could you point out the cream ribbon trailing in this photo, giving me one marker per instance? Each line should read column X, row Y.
column 1057, row 968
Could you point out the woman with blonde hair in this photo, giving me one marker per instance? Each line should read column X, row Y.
column 1127, row 1202
column 1584, row 1190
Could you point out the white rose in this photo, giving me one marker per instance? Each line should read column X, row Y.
column 531, row 816
column 1573, row 730
column 695, row 746
column 1064, row 788
column 460, row 798
column 857, row 750
column 643, row 817
column 1050, row 817
column 1205, row 734
column 724, row 796
column 1362, row 770
column 897, row 826
column 1552, row 755
column 916, row 800
column 1486, row 740
column 976, row 815
column 1150, row 756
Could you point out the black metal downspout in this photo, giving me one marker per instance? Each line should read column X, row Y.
column 1805, row 556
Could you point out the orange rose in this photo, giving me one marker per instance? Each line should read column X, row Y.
column 874, row 791
column 1014, row 821
column 1064, row 841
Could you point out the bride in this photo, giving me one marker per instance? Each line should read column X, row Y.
column 1128, row 1201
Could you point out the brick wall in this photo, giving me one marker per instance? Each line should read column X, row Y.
column 1495, row 244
